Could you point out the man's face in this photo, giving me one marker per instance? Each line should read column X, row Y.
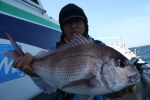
column 73, row 26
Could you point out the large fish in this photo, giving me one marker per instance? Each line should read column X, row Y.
column 82, row 67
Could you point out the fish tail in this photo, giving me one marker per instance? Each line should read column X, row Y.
column 13, row 53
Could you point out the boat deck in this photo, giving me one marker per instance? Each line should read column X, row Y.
column 43, row 96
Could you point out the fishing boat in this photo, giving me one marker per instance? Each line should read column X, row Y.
column 29, row 24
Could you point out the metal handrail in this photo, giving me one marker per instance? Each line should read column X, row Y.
column 111, row 40
column 43, row 11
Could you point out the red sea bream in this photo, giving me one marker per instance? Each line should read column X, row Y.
column 84, row 67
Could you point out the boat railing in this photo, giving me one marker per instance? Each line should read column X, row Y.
column 28, row 2
column 113, row 42
column 117, row 44
column 56, row 21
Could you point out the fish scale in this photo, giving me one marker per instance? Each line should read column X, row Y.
column 82, row 67
column 67, row 69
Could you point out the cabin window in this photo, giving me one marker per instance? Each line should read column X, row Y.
column 35, row 1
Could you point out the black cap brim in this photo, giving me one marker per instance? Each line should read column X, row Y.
column 73, row 16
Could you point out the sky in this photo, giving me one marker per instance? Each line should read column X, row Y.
column 128, row 19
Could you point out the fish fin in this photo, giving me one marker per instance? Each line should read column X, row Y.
column 15, row 45
column 39, row 55
column 77, row 40
column 12, row 54
column 44, row 53
column 83, row 97
column 88, row 82
column 43, row 85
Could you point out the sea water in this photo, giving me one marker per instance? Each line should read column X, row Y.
column 143, row 52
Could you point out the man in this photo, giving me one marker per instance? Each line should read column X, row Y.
column 72, row 21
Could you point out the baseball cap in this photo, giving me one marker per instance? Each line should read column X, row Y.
column 70, row 11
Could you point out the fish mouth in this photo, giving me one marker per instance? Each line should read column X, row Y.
column 134, row 78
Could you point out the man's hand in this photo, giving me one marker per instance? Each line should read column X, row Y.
column 117, row 94
column 66, row 40
column 24, row 64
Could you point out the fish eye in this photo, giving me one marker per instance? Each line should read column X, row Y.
column 121, row 63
